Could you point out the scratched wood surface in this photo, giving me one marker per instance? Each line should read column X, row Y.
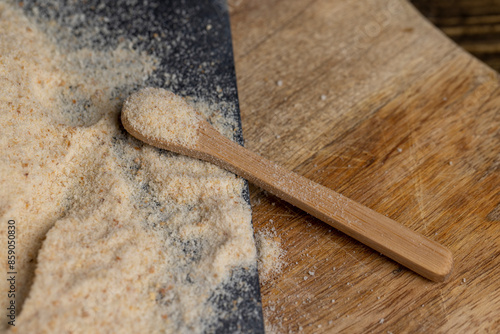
column 371, row 100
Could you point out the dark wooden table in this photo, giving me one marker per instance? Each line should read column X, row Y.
column 472, row 24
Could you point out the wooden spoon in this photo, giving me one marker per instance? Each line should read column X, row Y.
column 163, row 119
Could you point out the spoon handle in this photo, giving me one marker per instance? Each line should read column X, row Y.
column 411, row 249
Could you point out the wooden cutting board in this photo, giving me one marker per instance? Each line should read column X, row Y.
column 371, row 100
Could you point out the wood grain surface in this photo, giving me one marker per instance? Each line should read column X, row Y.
column 372, row 101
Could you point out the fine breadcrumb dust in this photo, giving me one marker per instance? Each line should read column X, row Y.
column 163, row 116
column 113, row 236
column 270, row 254
column 271, row 262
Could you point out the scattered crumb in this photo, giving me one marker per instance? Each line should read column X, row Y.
column 270, row 254
column 323, row 97
column 279, row 83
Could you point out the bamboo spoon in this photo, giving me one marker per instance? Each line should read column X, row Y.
column 163, row 119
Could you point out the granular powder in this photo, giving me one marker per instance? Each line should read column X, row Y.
column 162, row 115
column 270, row 254
column 112, row 235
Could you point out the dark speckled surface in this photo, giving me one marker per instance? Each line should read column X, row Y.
column 193, row 40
